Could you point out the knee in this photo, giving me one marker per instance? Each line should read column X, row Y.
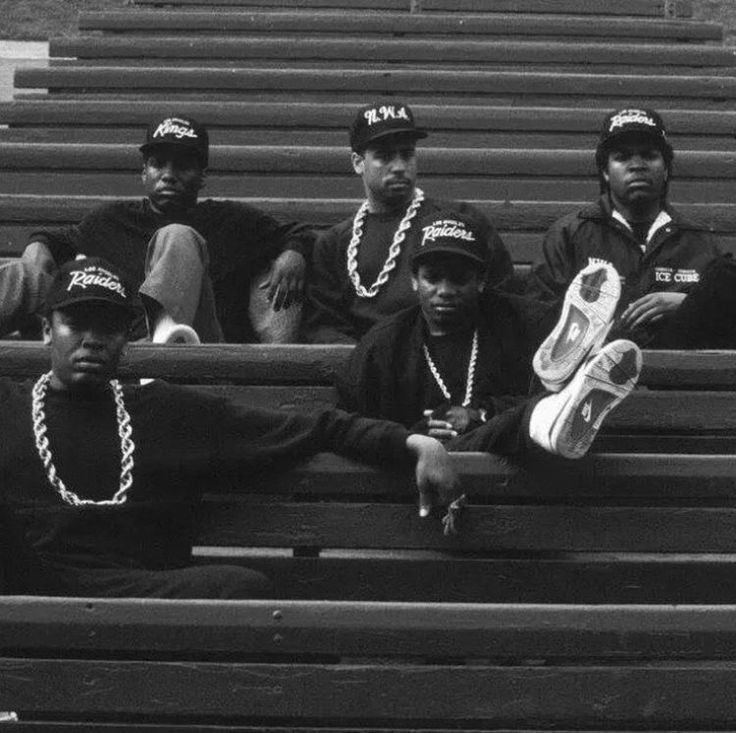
column 235, row 582
column 180, row 236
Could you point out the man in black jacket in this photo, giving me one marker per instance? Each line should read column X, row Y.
column 110, row 477
column 457, row 366
column 678, row 291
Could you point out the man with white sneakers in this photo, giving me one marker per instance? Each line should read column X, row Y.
column 457, row 365
column 360, row 270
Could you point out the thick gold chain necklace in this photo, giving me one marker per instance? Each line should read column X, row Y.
column 127, row 446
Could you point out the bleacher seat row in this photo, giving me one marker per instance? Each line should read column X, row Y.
column 604, row 603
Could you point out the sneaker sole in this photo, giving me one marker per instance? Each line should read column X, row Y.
column 605, row 381
column 589, row 305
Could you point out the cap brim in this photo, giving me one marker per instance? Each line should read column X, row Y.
column 417, row 133
column 130, row 308
column 421, row 253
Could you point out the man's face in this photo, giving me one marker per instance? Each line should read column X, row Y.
column 389, row 170
column 448, row 286
column 636, row 174
column 172, row 178
column 87, row 340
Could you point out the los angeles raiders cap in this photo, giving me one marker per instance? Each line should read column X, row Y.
column 450, row 233
column 91, row 279
column 640, row 122
column 181, row 131
column 379, row 119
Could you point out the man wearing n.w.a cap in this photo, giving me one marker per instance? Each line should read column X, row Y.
column 192, row 261
column 664, row 260
column 360, row 269
column 457, row 364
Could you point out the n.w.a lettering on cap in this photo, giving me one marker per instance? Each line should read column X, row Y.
column 377, row 120
column 450, row 234
column 179, row 131
column 90, row 279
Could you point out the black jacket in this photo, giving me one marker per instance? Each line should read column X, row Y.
column 388, row 377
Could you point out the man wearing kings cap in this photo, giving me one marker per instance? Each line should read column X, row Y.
column 193, row 262
column 360, row 268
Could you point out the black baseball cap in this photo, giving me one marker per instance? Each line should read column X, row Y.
column 450, row 233
column 380, row 119
column 91, row 279
column 633, row 122
column 180, row 131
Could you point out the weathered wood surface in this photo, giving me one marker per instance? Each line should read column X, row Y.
column 361, row 53
column 289, row 123
column 425, row 24
column 650, row 8
column 370, row 629
column 292, row 364
column 352, row 86
column 673, row 694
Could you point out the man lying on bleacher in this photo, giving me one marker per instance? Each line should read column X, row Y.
column 111, row 476
column 458, row 365
column 193, row 262
column 360, row 268
column 678, row 291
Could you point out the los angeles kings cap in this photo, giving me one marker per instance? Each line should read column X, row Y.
column 180, row 131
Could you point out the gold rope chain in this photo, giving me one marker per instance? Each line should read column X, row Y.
column 393, row 251
column 471, row 372
column 127, row 446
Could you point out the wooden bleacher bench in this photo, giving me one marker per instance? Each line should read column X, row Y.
column 290, row 123
column 636, row 8
column 456, row 25
column 599, row 604
column 354, row 86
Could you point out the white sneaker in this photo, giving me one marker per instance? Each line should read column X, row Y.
column 175, row 333
column 566, row 423
column 171, row 333
column 586, row 317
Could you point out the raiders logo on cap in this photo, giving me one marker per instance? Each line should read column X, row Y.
column 90, row 279
column 450, row 234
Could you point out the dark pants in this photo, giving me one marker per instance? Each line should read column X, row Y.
column 24, row 572
column 705, row 320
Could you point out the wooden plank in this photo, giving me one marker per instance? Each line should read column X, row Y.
column 371, row 5
column 360, row 53
column 369, row 629
column 651, row 8
column 659, row 695
column 465, row 86
column 252, row 186
column 496, row 24
column 498, row 528
column 231, row 115
column 574, row 578
column 317, row 364
column 494, row 162
column 507, row 216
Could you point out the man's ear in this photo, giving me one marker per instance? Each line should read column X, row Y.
column 414, row 283
column 46, row 330
column 358, row 162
